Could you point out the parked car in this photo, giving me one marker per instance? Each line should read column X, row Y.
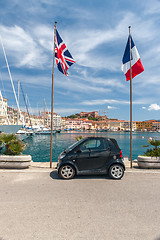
column 91, row 155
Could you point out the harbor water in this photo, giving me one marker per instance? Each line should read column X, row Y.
column 38, row 146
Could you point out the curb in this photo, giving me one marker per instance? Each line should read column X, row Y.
column 48, row 170
column 43, row 167
column 148, row 171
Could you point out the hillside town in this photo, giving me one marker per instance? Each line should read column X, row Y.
column 82, row 121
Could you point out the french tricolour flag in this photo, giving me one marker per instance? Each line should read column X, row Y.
column 136, row 64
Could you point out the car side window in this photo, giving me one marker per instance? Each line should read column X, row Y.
column 107, row 144
column 93, row 144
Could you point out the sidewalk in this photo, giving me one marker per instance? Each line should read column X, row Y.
column 45, row 167
column 136, row 169
column 39, row 205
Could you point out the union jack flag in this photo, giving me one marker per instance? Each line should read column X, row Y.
column 63, row 57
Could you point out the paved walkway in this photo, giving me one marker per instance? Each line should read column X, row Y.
column 37, row 204
column 45, row 167
column 41, row 206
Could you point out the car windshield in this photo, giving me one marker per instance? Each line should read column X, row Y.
column 73, row 146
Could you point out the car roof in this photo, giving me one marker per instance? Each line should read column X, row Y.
column 96, row 138
column 113, row 140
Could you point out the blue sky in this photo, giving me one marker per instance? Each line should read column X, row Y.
column 95, row 33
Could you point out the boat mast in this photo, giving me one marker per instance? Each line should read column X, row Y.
column 18, row 102
column 29, row 105
column 11, row 81
column 25, row 100
column 44, row 111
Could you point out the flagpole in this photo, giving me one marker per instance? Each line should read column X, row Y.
column 130, row 98
column 52, row 97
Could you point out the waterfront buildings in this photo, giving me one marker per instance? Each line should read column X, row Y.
column 89, row 114
column 46, row 119
column 3, row 117
column 78, row 124
column 82, row 121
column 144, row 125
column 29, row 119
column 156, row 126
column 121, row 125
column 110, row 124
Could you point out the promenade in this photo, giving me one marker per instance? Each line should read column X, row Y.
column 37, row 204
column 45, row 167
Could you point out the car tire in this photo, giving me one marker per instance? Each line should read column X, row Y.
column 67, row 171
column 116, row 171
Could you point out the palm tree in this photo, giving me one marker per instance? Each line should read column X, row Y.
column 12, row 145
column 153, row 152
column 78, row 138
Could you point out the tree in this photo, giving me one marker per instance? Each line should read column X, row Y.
column 11, row 144
column 153, row 152
column 78, row 138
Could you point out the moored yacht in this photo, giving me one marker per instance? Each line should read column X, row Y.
column 41, row 130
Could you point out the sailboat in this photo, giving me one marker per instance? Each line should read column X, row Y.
column 25, row 132
column 41, row 129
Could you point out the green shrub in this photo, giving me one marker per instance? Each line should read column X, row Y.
column 11, row 144
column 78, row 138
column 153, row 152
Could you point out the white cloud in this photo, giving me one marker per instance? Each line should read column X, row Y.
column 33, row 47
column 39, row 79
column 44, row 35
column 154, row 106
column 77, row 86
column 110, row 101
column 97, row 50
column 86, row 76
column 22, row 47
column 85, row 41
column 111, row 107
column 152, row 7
column 103, row 101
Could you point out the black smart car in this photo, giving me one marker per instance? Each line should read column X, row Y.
column 92, row 155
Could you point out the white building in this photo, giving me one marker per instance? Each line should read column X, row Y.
column 3, row 115
column 57, row 120
column 78, row 124
column 156, row 126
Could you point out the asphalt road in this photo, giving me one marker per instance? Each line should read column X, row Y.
column 42, row 206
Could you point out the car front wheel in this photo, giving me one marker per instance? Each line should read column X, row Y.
column 67, row 172
column 116, row 171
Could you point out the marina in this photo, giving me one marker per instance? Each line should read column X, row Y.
column 38, row 146
column 79, row 120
